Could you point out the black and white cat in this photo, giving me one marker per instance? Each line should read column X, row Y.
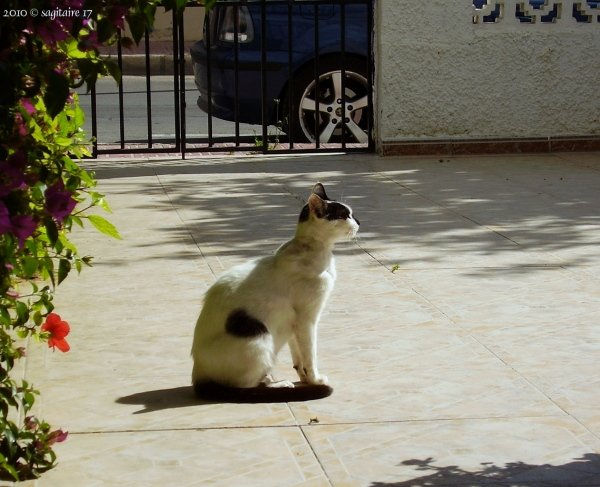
column 255, row 308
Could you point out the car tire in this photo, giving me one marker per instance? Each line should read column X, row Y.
column 329, row 123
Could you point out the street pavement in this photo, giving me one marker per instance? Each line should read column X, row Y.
column 461, row 339
column 162, row 111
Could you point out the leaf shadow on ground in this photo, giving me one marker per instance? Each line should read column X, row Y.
column 525, row 212
column 580, row 472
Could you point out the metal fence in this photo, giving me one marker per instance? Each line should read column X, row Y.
column 297, row 74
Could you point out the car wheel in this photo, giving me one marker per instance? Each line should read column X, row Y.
column 327, row 125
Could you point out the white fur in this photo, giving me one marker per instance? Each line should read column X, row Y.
column 286, row 292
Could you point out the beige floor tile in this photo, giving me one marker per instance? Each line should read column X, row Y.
column 109, row 403
column 246, row 457
column 528, row 452
column 486, row 300
column 425, row 373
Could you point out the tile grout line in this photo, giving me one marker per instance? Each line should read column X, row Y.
column 299, row 426
column 494, row 354
column 185, row 225
column 290, row 426
column 558, row 266
column 561, row 266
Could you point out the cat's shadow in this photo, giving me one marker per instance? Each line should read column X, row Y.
column 157, row 400
column 182, row 397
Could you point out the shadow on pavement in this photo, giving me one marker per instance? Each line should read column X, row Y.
column 413, row 212
column 176, row 397
column 581, row 472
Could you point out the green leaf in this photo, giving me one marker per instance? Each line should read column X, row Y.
column 30, row 265
column 22, row 311
column 63, row 141
column 113, row 70
column 56, row 94
column 104, row 226
column 77, row 220
column 137, row 24
column 51, row 230
column 64, row 267
column 22, row 334
column 10, row 469
column 74, row 52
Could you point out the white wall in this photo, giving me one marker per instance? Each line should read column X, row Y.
column 441, row 76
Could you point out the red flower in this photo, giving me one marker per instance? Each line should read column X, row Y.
column 58, row 331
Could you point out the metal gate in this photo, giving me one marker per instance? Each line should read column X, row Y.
column 269, row 76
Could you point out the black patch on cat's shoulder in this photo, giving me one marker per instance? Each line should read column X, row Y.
column 304, row 214
column 337, row 211
column 241, row 324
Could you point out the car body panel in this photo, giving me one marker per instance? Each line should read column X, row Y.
column 277, row 68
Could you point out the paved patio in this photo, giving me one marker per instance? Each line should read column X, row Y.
column 474, row 363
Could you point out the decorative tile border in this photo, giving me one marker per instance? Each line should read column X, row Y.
column 489, row 146
column 551, row 11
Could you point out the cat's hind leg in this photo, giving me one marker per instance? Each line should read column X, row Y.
column 297, row 358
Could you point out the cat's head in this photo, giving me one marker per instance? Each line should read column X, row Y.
column 326, row 219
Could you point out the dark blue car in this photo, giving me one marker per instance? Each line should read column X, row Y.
column 220, row 34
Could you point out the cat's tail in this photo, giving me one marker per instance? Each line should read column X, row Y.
column 212, row 391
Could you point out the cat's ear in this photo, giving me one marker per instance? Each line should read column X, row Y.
column 319, row 190
column 317, row 205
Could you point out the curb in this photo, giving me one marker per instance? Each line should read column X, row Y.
column 160, row 64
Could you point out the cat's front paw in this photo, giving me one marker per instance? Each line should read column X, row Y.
column 317, row 379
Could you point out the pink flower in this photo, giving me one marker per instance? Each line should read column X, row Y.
column 59, row 201
column 89, row 42
column 57, row 436
column 53, row 31
column 11, row 175
column 20, row 124
column 23, row 227
column 12, row 294
column 117, row 16
column 5, row 223
column 28, row 106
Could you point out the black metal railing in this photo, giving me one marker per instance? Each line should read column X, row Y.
column 283, row 67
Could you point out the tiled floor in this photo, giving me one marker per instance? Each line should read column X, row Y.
column 474, row 363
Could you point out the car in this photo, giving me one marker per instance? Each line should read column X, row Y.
column 291, row 87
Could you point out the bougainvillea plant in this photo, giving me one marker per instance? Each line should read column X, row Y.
column 48, row 48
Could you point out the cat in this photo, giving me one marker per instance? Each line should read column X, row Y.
column 254, row 309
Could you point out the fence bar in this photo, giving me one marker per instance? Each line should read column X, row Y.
column 209, row 14
column 176, row 80
column 236, row 65
column 182, row 82
column 263, row 73
column 94, row 121
column 343, row 59
column 121, row 114
column 291, row 123
column 148, row 88
column 236, row 141
column 317, row 102
column 370, row 58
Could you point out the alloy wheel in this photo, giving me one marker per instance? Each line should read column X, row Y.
column 329, row 106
